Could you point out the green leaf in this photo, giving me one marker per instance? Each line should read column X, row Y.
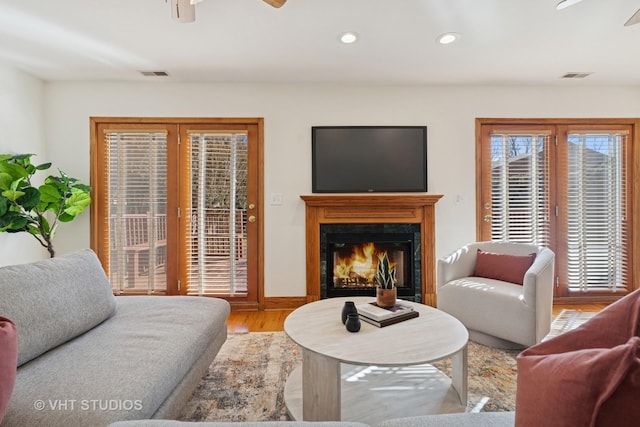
column 13, row 222
column 45, row 224
column 76, row 203
column 23, row 158
column 83, row 187
column 13, row 195
column 43, row 166
column 32, row 229
column 5, row 181
column 15, row 171
column 65, row 217
column 49, row 193
column 30, row 199
column 3, row 206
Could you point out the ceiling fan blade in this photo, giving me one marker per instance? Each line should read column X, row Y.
column 275, row 3
column 634, row 19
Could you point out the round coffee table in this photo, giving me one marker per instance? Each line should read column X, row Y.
column 376, row 373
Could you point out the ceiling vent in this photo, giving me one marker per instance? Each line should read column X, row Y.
column 154, row 73
column 576, row 75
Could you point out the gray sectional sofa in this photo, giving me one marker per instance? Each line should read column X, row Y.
column 480, row 419
column 87, row 358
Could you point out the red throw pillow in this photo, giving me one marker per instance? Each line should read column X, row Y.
column 8, row 361
column 509, row 268
column 588, row 376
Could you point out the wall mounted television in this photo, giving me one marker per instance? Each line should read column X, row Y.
column 368, row 159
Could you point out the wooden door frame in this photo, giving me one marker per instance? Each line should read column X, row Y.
column 95, row 236
column 634, row 178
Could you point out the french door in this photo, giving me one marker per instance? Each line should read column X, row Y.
column 177, row 206
column 566, row 186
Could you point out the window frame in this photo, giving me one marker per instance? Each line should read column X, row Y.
column 633, row 169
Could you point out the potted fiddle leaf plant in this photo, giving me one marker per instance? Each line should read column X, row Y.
column 37, row 210
column 386, row 292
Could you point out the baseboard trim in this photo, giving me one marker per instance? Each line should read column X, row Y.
column 284, row 303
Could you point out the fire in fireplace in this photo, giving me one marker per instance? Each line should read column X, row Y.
column 352, row 261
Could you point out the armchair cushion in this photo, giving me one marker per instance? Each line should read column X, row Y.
column 594, row 372
column 505, row 267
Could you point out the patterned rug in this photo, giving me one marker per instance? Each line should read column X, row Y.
column 246, row 381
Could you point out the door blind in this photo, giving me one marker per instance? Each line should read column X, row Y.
column 136, row 219
column 597, row 230
column 520, row 188
column 216, row 242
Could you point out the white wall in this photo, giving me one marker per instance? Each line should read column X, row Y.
column 290, row 111
column 21, row 122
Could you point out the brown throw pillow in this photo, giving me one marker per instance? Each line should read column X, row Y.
column 589, row 376
column 8, row 361
column 509, row 268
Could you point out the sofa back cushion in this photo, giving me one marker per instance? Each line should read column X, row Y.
column 54, row 300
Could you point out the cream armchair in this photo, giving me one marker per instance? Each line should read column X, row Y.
column 496, row 312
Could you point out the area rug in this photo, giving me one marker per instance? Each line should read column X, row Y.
column 246, row 381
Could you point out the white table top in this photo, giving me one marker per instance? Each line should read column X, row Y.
column 318, row 327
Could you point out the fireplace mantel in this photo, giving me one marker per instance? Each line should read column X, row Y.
column 411, row 208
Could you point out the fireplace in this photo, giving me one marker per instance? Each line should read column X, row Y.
column 349, row 258
column 390, row 210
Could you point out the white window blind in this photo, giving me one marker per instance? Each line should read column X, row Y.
column 136, row 162
column 597, row 226
column 520, row 188
column 216, row 239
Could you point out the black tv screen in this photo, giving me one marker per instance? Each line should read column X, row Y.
column 366, row 159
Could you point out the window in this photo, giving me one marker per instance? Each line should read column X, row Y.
column 566, row 186
column 216, row 237
column 136, row 215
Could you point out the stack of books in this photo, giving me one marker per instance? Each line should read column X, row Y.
column 380, row 317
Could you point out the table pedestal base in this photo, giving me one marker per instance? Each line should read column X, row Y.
column 371, row 394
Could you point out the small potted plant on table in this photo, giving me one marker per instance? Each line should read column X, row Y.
column 386, row 279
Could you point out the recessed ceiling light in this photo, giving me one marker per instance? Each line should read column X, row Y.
column 349, row 37
column 566, row 3
column 576, row 75
column 448, row 38
column 154, row 73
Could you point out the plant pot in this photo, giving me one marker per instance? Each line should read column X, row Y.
column 386, row 297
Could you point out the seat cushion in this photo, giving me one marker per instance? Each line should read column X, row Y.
column 8, row 361
column 587, row 376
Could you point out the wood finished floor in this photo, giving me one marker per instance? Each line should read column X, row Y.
column 270, row 321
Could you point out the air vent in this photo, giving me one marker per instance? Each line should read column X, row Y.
column 154, row 73
column 575, row 75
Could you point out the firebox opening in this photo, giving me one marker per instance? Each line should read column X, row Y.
column 352, row 261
